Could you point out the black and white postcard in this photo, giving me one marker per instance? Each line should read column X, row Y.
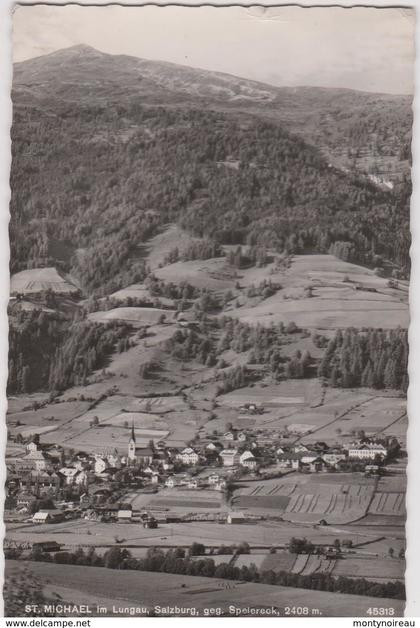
column 208, row 315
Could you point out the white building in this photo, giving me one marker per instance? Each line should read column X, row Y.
column 36, row 459
column 248, row 460
column 333, row 459
column 213, row 479
column 101, row 465
column 367, row 451
column 188, row 456
column 236, row 517
column 230, row 457
column 125, row 516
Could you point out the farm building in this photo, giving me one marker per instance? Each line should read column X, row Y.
column 125, row 516
column 236, row 517
column 48, row 516
column 248, row 460
column 47, row 546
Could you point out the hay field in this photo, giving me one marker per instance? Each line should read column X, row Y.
column 186, row 500
column 135, row 316
column 46, row 419
column 92, row 585
column 40, row 279
column 380, row 569
column 334, row 304
column 285, row 393
column 280, row 561
column 139, row 291
column 115, row 420
column 213, row 274
column 160, row 245
column 390, row 504
column 212, row 534
column 308, row 499
column 355, row 410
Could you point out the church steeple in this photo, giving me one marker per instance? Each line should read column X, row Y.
column 132, row 444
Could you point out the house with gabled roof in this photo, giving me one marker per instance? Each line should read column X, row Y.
column 248, row 460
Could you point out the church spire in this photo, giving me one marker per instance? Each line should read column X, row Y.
column 133, row 436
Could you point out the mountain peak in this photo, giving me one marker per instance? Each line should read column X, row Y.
column 82, row 49
column 77, row 50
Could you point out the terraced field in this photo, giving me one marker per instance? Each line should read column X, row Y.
column 38, row 280
column 388, row 504
column 302, row 500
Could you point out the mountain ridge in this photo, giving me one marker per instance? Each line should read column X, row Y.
column 90, row 50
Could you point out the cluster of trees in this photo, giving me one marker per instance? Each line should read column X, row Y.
column 244, row 257
column 265, row 289
column 187, row 344
column 110, row 303
column 372, row 358
column 300, row 546
column 49, row 352
column 344, row 250
column 180, row 561
column 233, row 378
column 183, row 291
column 263, row 343
column 197, row 250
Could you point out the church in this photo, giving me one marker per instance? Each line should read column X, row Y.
column 138, row 455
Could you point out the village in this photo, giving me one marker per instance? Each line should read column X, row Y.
column 50, row 483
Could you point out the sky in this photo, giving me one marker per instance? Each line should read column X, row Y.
column 369, row 49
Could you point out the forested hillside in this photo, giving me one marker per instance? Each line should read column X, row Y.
column 48, row 353
column 108, row 150
column 92, row 183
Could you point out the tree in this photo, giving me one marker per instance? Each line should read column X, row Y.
column 115, row 557
column 197, row 549
column 391, row 552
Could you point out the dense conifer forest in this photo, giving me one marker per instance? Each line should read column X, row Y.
column 47, row 352
column 92, row 220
